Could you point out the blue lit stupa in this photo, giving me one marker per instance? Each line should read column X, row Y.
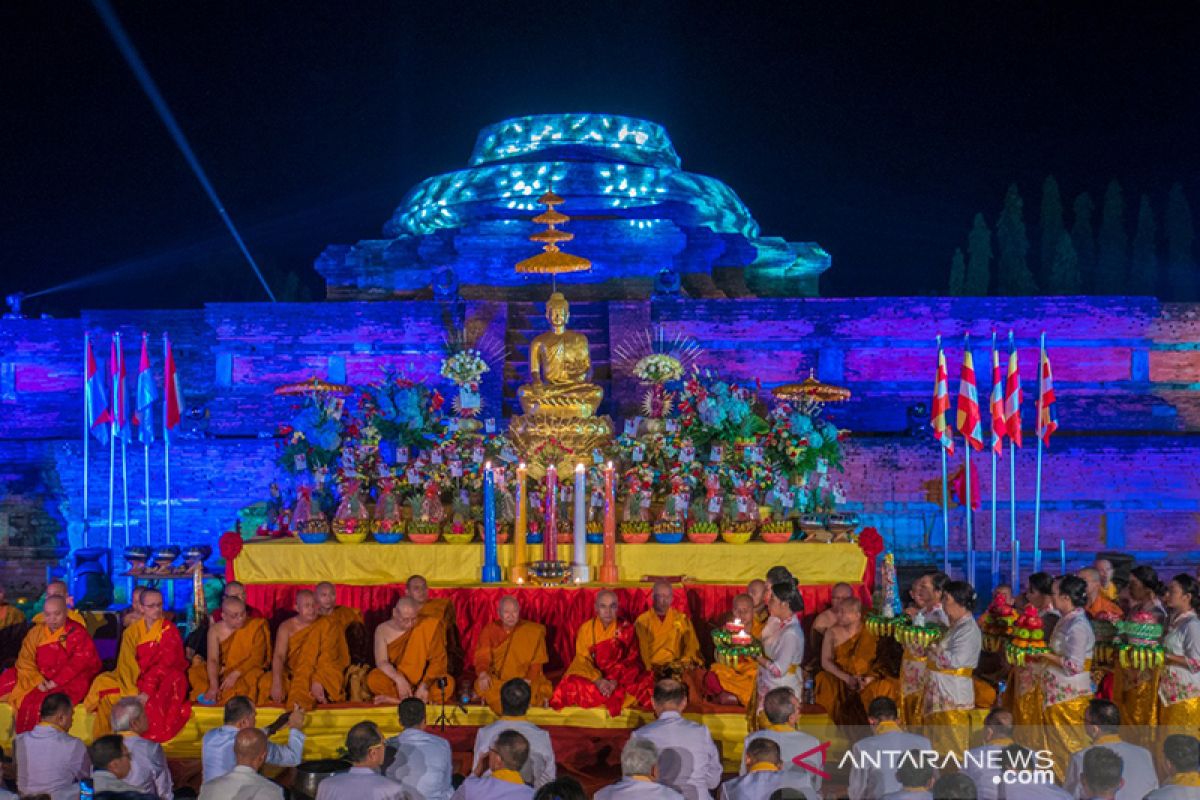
column 646, row 225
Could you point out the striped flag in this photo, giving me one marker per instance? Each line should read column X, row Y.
column 1047, row 417
column 147, row 393
column 1012, row 395
column 95, row 399
column 941, row 404
column 120, row 408
column 970, row 421
column 173, row 407
column 999, row 424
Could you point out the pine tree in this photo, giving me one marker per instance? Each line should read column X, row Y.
column 958, row 274
column 1084, row 241
column 1053, row 226
column 1015, row 277
column 1112, row 256
column 1143, row 273
column 1181, row 268
column 979, row 258
column 1064, row 276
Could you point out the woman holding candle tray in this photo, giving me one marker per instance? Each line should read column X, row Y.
column 950, row 662
column 927, row 592
column 1067, row 673
column 1135, row 691
column 779, row 665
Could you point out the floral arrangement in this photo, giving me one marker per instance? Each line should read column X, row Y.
column 404, row 412
column 801, row 443
column 312, row 440
column 719, row 411
column 464, row 368
column 658, row 368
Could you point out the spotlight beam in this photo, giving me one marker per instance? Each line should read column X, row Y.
column 125, row 45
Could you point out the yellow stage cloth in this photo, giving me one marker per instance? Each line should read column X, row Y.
column 369, row 563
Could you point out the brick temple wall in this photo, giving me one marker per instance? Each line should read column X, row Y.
column 1121, row 474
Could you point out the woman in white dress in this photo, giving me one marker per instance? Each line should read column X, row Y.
column 950, row 663
column 927, row 593
column 1025, row 681
column 1066, row 677
column 1179, row 678
column 783, row 652
column 1135, row 691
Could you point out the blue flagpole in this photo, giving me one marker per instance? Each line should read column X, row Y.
column 86, row 435
column 970, row 565
column 995, row 552
column 945, row 478
column 1013, row 542
column 1037, row 496
column 112, row 458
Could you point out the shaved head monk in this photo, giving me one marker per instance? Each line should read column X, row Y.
column 607, row 669
column 59, row 589
column 410, row 658
column 440, row 608
column 239, row 654
column 309, row 666
column 151, row 667
column 733, row 684
column 666, row 637
column 757, row 590
column 348, row 620
column 235, row 590
column 509, row 648
column 57, row 655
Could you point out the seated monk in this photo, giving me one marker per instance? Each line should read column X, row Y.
column 151, row 667
column 757, row 590
column 12, row 629
column 410, row 658
column 667, row 640
column 348, row 620
column 822, row 623
column 733, row 685
column 56, row 656
column 848, row 668
column 607, row 669
column 59, row 589
column 310, row 661
column 134, row 612
column 239, row 654
column 236, row 589
column 441, row 609
column 9, row 614
column 509, row 648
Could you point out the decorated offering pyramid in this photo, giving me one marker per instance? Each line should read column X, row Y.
column 732, row 642
column 1104, row 627
column 1028, row 637
column 1140, row 646
column 998, row 622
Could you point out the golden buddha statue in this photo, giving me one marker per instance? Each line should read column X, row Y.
column 560, row 369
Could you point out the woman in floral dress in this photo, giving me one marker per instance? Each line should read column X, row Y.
column 1066, row 678
column 950, row 662
column 927, row 593
column 1179, row 678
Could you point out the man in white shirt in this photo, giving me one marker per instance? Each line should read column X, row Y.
column 509, row 753
column 873, row 760
column 985, row 764
column 149, row 772
column 423, row 764
column 217, row 746
column 111, row 763
column 762, row 778
column 1102, row 722
column 781, row 707
column 1182, row 754
column 50, row 760
column 639, row 775
column 1021, row 761
column 365, row 749
column 243, row 782
column 515, row 697
column 688, row 760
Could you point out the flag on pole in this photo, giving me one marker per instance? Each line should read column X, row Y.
column 999, row 424
column 970, row 421
column 1047, row 417
column 173, row 407
column 1012, row 395
column 147, row 393
column 958, row 486
column 96, row 399
column 941, row 404
column 120, row 408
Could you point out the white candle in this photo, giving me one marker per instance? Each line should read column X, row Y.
column 580, row 565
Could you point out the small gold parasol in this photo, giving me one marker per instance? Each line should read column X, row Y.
column 313, row 386
column 552, row 261
column 811, row 390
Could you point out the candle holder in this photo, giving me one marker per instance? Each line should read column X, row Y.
column 550, row 572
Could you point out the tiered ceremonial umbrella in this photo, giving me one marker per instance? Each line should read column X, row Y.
column 552, row 261
column 313, row 386
column 811, row 392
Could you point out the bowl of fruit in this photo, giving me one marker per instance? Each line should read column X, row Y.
column 668, row 532
column 595, row 533
column 351, row 531
column 737, row 532
column 776, row 531
column 424, row 532
column 459, row 533
column 703, row 533
column 635, row 532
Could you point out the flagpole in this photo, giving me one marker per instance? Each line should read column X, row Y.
column 146, row 476
column 1037, row 495
column 995, row 553
column 1013, row 541
column 125, row 487
column 166, row 443
column 970, row 565
column 945, row 478
column 112, row 455
column 86, row 435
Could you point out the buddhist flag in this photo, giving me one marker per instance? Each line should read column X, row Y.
column 941, row 404
column 999, row 427
column 970, row 421
column 1047, row 417
column 173, row 407
column 95, row 399
column 147, row 393
column 1012, row 395
column 120, row 408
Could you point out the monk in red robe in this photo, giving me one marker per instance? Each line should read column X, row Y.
column 150, row 666
column 509, row 648
column 56, row 656
column 607, row 670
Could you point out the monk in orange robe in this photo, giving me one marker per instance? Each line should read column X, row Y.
column 822, row 623
column 442, row 609
column 757, row 590
column 239, row 654
column 9, row 614
column 348, row 620
column 12, row 629
column 511, row 648
column 607, row 669
column 59, row 589
column 848, row 668
column 1098, row 604
column 236, row 589
column 150, row 666
column 56, row 656
column 310, row 661
column 410, row 658
column 733, row 685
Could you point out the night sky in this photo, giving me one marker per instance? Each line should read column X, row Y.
column 877, row 130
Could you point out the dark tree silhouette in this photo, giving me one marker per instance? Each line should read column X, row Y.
column 1013, row 244
column 1112, row 256
column 1053, row 227
column 1144, row 272
column 1181, row 234
column 958, row 274
column 1084, row 240
column 979, row 258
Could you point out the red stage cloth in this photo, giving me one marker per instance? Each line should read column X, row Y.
column 561, row 609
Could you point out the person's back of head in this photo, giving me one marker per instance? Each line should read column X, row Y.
column 779, row 705
column 515, row 696
column 361, row 740
column 882, row 709
column 105, row 750
column 762, row 751
column 512, row 748
column 955, row 786
column 55, row 706
column 250, row 748
column 669, row 695
column 412, row 713
column 562, row 788
column 127, row 714
column 1000, row 722
column 1102, row 770
column 1182, row 752
column 238, row 709
column 1104, row 715
column 787, row 793
column 639, row 758
column 914, row 771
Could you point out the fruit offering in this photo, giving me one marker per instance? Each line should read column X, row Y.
column 702, row 532
column 1140, row 646
column 635, row 531
column 998, row 623
column 776, row 530
column 731, row 647
column 1104, row 627
column 1028, row 637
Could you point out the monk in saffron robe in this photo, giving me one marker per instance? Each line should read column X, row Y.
column 511, row 648
column 56, row 656
column 607, row 669
column 10, row 615
column 822, row 623
column 668, row 642
column 309, row 665
column 151, row 667
column 1098, row 604
column 236, row 589
column 59, row 589
column 757, row 590
column 348, row 620
column 733, row 685
column 410, row 658
column 442, row 609
column 12, row 629
column 239, row 654
column 848, row 669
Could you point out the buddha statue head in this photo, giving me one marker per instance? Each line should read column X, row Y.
column 558, row 312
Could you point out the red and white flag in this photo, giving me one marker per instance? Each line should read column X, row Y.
column 970, row 421
column 173, row 404
column 941, row 404
column 1047, row 417
column 999, row 425
column 1012, row 395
